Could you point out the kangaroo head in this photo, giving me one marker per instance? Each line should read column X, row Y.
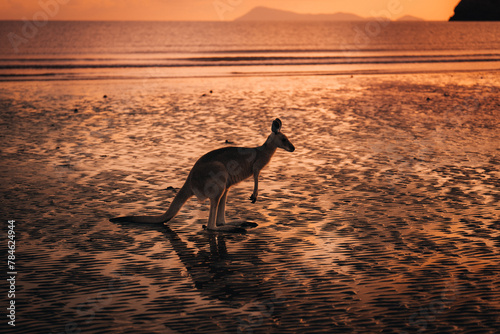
column 278, row 139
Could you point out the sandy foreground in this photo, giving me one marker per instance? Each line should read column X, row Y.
column 386, row 218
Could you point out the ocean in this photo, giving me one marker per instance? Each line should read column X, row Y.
column 62, row 50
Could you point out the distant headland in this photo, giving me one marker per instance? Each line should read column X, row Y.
column 477, row 10
column 270, row 14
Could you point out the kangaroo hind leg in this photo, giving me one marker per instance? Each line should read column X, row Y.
column 212, row 216
column 216, row 220
column 221, row 210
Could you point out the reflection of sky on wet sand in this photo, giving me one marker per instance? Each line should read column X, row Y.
column 386, row 215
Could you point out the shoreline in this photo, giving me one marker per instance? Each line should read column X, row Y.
column 261, row 74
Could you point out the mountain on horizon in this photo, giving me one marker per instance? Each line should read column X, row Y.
column 270, row 14
column 410, row 18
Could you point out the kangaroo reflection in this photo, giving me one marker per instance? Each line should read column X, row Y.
column 237, row 278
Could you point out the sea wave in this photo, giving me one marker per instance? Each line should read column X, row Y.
column 230, row 63
column 242, row 60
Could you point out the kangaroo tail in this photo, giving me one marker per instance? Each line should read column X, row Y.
column 182, row 196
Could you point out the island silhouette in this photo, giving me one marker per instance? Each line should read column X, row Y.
column 271, row 14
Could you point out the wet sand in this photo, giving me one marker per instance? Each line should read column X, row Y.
column 386, row 218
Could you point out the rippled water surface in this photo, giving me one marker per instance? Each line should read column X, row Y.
column 385, row 219
column 105, row 50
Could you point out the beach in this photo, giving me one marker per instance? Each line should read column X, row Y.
column 385, row 218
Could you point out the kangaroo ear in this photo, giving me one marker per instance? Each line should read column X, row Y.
column 276, row 127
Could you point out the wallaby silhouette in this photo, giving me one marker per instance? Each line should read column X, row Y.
column 215, row 172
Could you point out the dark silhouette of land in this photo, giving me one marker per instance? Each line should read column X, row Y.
column 270, row 14
column 477, row 10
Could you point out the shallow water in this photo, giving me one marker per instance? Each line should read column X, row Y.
column 73, row 50
column 385, row 218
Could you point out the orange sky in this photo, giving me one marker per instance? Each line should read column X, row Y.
column 213, row 10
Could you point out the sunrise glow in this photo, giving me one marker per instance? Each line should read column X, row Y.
column 212, row 10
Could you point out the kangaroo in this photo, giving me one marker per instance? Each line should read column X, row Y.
column 215, row 172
